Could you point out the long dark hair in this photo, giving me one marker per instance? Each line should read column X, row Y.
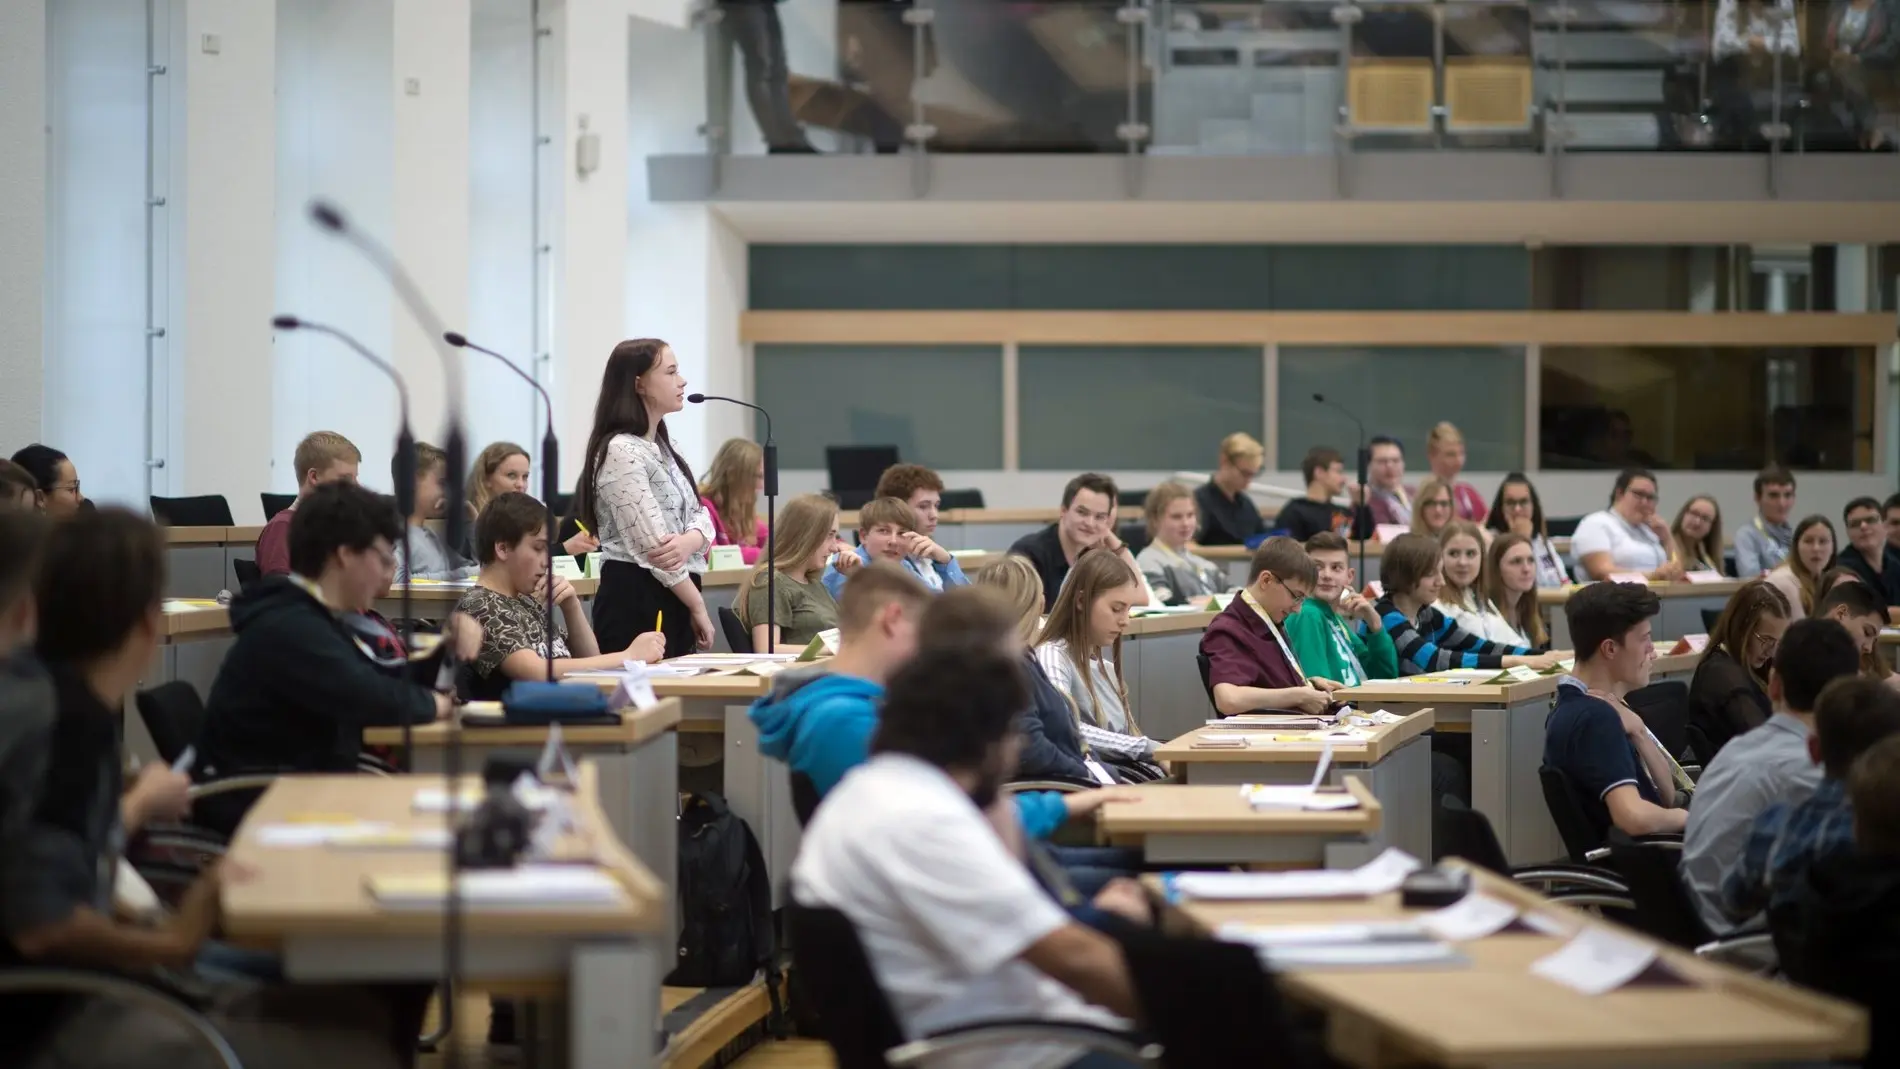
column 1495, row 518
column 621, row 411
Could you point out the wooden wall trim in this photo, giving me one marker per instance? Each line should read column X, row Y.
column 1736, row 329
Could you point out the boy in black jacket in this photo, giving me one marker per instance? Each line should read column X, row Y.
column 296, row 690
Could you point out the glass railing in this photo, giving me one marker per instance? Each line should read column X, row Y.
column 1293, row 77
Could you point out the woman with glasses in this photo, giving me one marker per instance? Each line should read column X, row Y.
column 1433, row 508
column 57, row 479
column 1518, row 510
column 1628, row 537
column 1729, row 694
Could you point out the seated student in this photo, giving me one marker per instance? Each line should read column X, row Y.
column 1425, row 638
column 922, row 489
column 1616, row 767
column 1325, row 475
column 802, row 597
column 1729, row 692
column 1052, row 745
column 1445, row 453
column 1510, row 582
column 1228, row 514
column 1868, row 554
column 1798, row 577
column 1766, row 540
column 322, row 458
column 55, row 477
column 1854, row 607
column 1697, row 535
column 1389, row 498
column 511, row 535
column 18, row 488
column 503, row 468
column 1174, row 572
column 1788, row 839
column 26, row 692
column 1626, row 537
column 819, row 720
column 955, row 928
column 887, row 531
column 428, row 556
column 1250, row 663
column 99, row 626
column 1087, row 522
column 1432, row 509
column 730, row 491
column 294, row 693
column 1330, row 647
column 1518, row 510
column 1461, row 594
column 1842, row 918
column 1873, row 664
column 1089, row 614
column 1764, row 766
column 1890, row 515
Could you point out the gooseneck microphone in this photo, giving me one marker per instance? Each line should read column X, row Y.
column 770, row 450
column 405, row 472
column 550, row 472
column 1363, row 511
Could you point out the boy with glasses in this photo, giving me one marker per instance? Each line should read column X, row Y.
column 1250, row 664
column 1764, row 543
column 1229, row 516
column 1868, row 555
column 1389, row 498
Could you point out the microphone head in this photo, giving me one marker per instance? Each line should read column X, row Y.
column 696, row 398
column 285, row 322
column 1320, row 397
column 328, row 216
column 454, row 339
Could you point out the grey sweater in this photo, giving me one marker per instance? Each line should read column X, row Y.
column 430, row 558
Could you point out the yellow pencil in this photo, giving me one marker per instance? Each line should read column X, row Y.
column 659, row 620
column 583, row 527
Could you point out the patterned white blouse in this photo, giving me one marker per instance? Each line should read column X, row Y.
column 641, row 497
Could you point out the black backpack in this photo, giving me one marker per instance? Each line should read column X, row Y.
column 725, row 900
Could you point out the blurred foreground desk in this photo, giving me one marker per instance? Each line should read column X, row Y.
column 1174, row 824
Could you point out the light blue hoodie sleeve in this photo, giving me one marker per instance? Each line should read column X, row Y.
column 951, row 574
column 834, row 579
column 1042, row 812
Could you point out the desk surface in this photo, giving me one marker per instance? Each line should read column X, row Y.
column 1370, row 750
column 848, row 520
column 636, row 726
column 1496, row 1012
column 1169, row 623
column 186, row 618
column 212, row 536
column 1175, row 809
column 427, row 591
column 1370, row 695
column 1558, row 595
column 732, row 577
column 305, row 891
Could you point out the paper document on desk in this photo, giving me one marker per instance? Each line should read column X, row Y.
column 1523, row 673
column 1256, row 721
column 728, row 660
column 1596, row 961
column 1474, row 916
column 524, row 887
column 1378, row 876
column 1375, row 944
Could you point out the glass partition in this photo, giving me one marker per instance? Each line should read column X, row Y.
column 940, row 405
column 1096, row 407
column 1611, row 407
column 1403, row 392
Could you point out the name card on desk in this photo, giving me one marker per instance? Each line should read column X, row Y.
column 1387, row 532
column 566, row 567
column 1690, row 644
column 725, row 558
column 1598, row 960
column 1629, row 577
column 594, row 561
column 1704, row 576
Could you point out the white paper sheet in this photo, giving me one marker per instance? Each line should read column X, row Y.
column 1381, row 874
column 1596, row 961
column 1474, row 916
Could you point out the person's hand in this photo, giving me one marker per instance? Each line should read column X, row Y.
column 650, row 647
column 1111, row 542
column 673, row 551
column 198, row 912
column 159, row 794
column 1082, row 803
column 702, row 628
column 1124, row 898
column 1668, row 573
column 1354, row 605
column 1655, row 524
column 563, row 591
column 444, row 705
column 1322, row 683
column 1355, row 492
column 1543, row 661
column 464, row 636
column 917, row 545
column 1310, row 700
column 848, row 562
column 583, row 542
column 1632, row 724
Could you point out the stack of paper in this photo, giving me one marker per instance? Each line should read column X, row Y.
column 355, row 835
column 1256, row 721
column 1295, row 796
column 524, row 887
column 1378, row 876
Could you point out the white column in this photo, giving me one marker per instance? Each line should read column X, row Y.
column 23, row 209
column 223, row 163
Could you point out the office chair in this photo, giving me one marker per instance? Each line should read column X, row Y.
column 853, row 471
column 961, row 499
column 276, row 503
column 1583, row 840
column 1664, row 709
column 1462, row 832
column 805, row 798
column 1562, row 526
column 1136, row 498
column 208, row 510
column 1699, row 743
column 247, row 572
column 737, row 636
column 1709, row 618
column 563, row 505
column 1134, row 534
column 173, row 715
column 147, row 992
column 1652, row 866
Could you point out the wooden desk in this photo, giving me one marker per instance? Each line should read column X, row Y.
column 198, row 559
column 1678, row 666
column 1174, row 824
column 1393, row 763
column 434, row 601
column 1506, row 725
column 1889, row 645
column 1164, row 683
column 636, row 765
column 1496, row 1013
column 1682, row 605
column 312, row 906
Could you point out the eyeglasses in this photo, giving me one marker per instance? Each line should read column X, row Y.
column 1643, row 495
column 1517, row 502
column 1864, row 521
column 1769, row 643
column 1435, row 503
column 73, row 486
column 1297, row 596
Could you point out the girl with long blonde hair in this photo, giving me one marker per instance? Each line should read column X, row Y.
column 1052, row 747
column 730, row 491
column 1090, row 614
column 503, row 468
column 807, row 537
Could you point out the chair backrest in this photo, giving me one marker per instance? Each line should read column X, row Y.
column 1206, row 668
column 1699, row 743
column 853, row 471
column 1391, row 95
column 805, row 798
column 247, row 571
column 1709, row 618
column 173, row 715
column 1487, row 94
column 1580, row 834
column 563, row 505
column 1664, row 709
column 737, row 636
column 832, row 973
column 207, row 510
column 1562, row 526
column 276, row 503
column 961, row 499
column 1459, row 831
column 1134, row 534
column 1663, row 908
column 1195, row 1022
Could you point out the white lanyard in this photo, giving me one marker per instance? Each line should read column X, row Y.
column 1355, row 672
column 1274, row 630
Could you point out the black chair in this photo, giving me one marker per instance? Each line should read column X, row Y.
column 1699, row 743
column 173, row 715
column 1583, row 840
column 1195, row 1022
column 1134, row 534
column 853, row 471
column 1709, row 617
column 832, row 974
column 208, row 510
column 247, row 572
column 1562, row 526
column 1136, row 498
column 276, row 503
column 737, row 635
column 961, row 499
column 1206, row 669
column 1652, row 866
column 563, row 504
column 1461, row 832
column 1664, row 709
column 805, row 798
column 148, row 994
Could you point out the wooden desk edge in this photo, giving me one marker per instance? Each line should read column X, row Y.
column 1385, row 739
column 636, row 726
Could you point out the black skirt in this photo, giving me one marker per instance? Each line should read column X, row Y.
column 628, row 602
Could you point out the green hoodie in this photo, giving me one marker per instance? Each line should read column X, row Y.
column 1312, row 632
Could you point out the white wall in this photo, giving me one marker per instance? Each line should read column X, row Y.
column 23, row 210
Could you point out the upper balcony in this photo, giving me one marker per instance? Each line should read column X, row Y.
column 1688, row 103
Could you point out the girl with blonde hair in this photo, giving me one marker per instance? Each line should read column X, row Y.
column 502, row 468
column 1052, row 747
column 730, row 492
column 807, row 537
column 1089, row 614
